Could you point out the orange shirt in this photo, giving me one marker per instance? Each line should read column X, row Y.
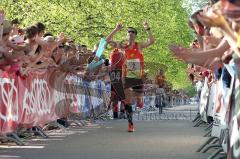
column 134, row 62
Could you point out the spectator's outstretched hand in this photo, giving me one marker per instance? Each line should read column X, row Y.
column 178, row 51
column 216, row 19
column 62, row 37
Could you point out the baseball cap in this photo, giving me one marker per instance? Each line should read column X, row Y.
column 49, row 39
column 17, row 39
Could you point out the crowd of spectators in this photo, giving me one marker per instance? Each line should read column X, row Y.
column 25, row 49
column 216, row 27
column 214, row 62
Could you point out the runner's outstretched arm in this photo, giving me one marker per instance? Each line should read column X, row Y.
column 150, row 40
column 115, row 30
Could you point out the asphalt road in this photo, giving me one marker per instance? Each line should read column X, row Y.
column 183, row 112
column 154, row 139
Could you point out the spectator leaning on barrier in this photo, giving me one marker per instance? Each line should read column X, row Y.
column 31, row 35
column 15, row 27
column 48, row 45
column 199, row 86
column 41, row 29
column 11, row 53
column 5, row 30
column 58, row 54
column 46, row 60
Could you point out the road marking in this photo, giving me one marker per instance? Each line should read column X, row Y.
column 50, row 139
column 21, row 147
column 7, row 156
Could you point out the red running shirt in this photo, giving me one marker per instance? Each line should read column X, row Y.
column 117, row 59
column 134, row 62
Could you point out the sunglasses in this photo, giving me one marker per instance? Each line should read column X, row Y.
column 131, row 31
column 61, row 46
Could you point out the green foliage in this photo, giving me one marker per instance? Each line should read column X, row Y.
column 87, row 20
column 191, row 91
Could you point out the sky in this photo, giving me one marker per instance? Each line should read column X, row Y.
column 193, row 5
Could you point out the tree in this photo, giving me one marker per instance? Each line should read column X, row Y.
column 86, row 21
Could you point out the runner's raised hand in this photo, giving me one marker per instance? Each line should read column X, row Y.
column 118, row 27
column 145, row 25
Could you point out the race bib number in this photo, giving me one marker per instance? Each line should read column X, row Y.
column 116, row 75
column 133, row 68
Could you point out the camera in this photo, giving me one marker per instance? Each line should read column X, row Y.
column 106, row 62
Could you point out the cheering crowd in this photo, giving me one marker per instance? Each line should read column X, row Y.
column 22, row 50
column 214, row 64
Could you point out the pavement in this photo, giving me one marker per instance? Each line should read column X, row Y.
column 183, row 112
column 183, row 108
column 154, row 139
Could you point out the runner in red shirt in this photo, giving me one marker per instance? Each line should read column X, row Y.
column 117, row 60
column 134, row 66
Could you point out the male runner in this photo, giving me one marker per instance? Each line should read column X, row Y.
column 117, row 60
column 134, row 69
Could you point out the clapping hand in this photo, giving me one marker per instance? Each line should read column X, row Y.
column 213, row 20
column 178, row 51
